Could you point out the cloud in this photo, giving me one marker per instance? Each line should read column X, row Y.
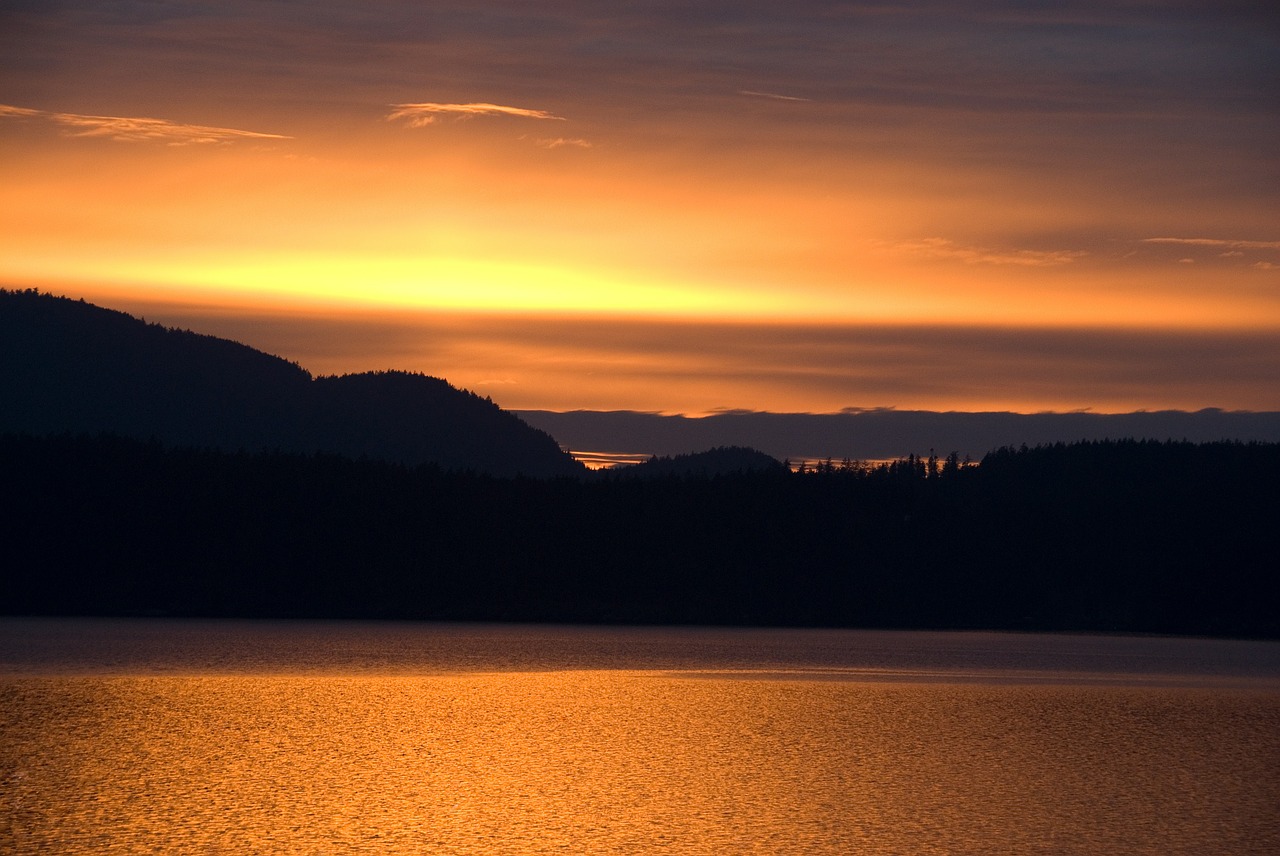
column 426, row 113
column 10, row 110
column 1228, row 248
column 1216, row 242
column 942, row 248
column 773, row 95
column 136, row 129
column 561, row 142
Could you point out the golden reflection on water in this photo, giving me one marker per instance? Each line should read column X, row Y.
column 625, row 762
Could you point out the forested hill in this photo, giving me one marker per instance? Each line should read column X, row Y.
column 720, row 461
column 70, row 366
column 1118, row 536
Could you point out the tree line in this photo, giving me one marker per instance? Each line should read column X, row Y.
column 1099, row 536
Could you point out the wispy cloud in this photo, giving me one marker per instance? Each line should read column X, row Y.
column 426, row 113
column 942, row 248
column 773, row 95
column 561, row 142
column 1216, row 242
column 130, row 129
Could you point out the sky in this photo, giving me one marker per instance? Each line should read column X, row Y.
column 674, row 207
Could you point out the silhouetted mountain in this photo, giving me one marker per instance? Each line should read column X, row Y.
column 722, row 460
column 70, row 366
column 452, row 428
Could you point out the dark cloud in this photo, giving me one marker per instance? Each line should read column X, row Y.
column 1080, row 57
column 1118, row 98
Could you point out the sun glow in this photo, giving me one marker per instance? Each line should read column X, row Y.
column 410, row 283
column 476, row 284
column 453, row 228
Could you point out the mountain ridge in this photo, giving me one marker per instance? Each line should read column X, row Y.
column 886, row 433
column 71, row 366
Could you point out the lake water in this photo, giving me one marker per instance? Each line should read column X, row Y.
column 274, row 737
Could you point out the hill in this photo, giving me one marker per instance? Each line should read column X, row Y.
column 70, row 366
column 720, row 461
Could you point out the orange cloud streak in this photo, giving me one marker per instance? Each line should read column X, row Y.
column 421, row 115
column 135, row 129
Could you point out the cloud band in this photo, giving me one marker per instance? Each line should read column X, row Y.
column 425, row 113
column 1216, row 242
column 136, row 129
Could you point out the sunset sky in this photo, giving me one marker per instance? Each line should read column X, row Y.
column 671, row 206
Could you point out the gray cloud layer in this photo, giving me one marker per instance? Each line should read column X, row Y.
column 1083, row 57
column 1117, row 97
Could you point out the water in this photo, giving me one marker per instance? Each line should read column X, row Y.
column 233, row 737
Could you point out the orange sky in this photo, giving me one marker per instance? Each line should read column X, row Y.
column 674, row 208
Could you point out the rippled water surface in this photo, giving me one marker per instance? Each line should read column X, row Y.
column 318, row 738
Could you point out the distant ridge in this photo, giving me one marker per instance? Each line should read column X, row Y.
column 885, row 433
column 67, row 366
column 720, row 461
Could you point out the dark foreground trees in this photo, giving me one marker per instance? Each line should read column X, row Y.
column 1132, row 536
